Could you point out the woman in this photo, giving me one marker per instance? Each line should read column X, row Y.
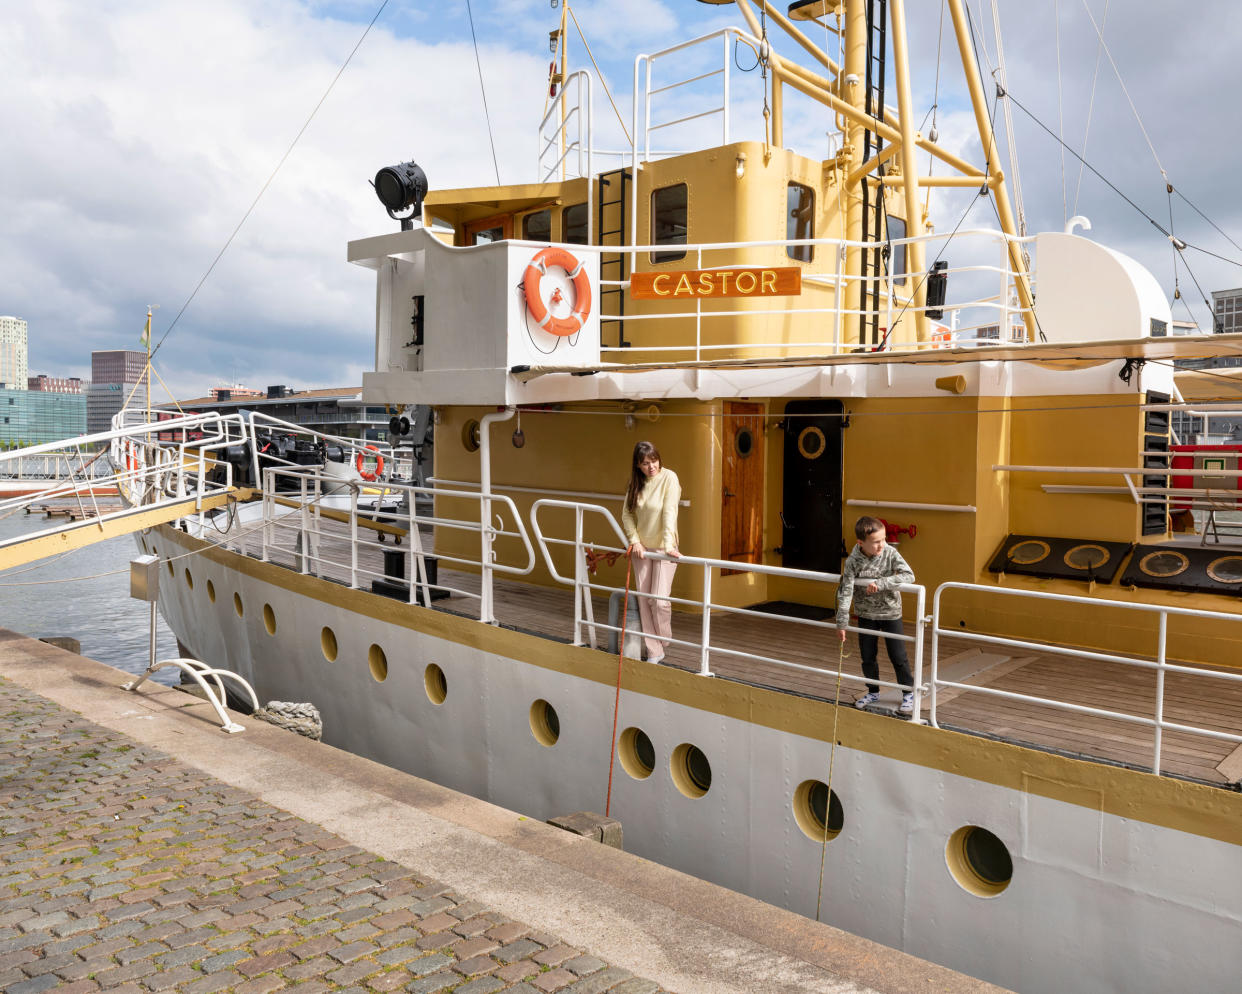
column 649, row 520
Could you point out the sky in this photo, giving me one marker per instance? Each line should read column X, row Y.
column 138, row 133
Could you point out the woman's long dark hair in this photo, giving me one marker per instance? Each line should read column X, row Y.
column 638, row 479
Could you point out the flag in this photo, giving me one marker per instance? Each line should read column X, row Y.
column 145, row 340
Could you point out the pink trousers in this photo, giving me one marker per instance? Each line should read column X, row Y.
column 654, row 577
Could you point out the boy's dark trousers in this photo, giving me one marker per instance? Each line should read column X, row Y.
column 869, row 646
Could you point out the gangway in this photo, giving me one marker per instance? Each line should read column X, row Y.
column 167, row 467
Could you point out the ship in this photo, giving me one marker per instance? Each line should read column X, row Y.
column 1059, row 811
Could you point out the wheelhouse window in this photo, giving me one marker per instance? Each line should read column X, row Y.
column 491, row 229
column 537, row 227
column 668, row 221
column 800, row 220
column 574, row 224
column 897, row 253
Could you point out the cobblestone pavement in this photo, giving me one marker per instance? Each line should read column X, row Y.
column 124, row 870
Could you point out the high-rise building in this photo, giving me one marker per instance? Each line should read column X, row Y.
column 14, row 367
column 116, row 376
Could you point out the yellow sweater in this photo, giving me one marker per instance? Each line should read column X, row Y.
column 654, row 518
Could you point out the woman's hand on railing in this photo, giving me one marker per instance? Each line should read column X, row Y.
column 639, row 548
column 676, row 554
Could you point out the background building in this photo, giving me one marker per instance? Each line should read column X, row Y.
column 57, row 384
column 14, row 368
column 30, row 417
column 115, row 375
column 333, row 411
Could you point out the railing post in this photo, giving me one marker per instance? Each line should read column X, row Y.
column 579, row 569
column 935, row 658
column 728, row 59
column 920, row 606
column 1160, row 663
column 705, row 635
column 353, row 536
column 304, row 522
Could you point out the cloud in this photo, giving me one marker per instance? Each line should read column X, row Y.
column 138, row 133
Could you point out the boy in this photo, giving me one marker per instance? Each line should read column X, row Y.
column 878, row 607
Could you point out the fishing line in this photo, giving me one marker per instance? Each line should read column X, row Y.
column 832, row 756
column 616, row 706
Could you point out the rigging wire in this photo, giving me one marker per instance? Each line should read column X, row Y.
column 263, row 190
column 1056, row 20
column 607, row 90
column 1095, row 78
column 483, row 90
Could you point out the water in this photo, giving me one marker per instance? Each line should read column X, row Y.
column 50, row 597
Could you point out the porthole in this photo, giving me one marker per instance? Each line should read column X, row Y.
column 1164, row 563
column 691, row 771
column 545, row 724
column 269, row 619
column 238, row 606
column 470, row 435
column 1226, row 569
column 189, row 579
column 744, row 442
column 1028, row 553
column 818, row 811
column 979, row 861
column 435, row 683
column 637, row 753
column 1086, row 557
column 327, row 642
column 378, row 663
column 812, row 443
column 211, row 591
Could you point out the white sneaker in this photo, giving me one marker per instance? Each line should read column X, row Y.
column 866, row 700
column 907, row 703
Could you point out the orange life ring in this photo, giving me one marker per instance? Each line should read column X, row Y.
column 379, row 463
column 536, row 270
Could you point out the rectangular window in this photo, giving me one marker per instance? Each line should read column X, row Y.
column 897, row 253
column 574, row 224
column 537, row 227
column 800, row 220
column 668, row 221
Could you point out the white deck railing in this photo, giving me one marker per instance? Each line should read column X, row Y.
column 1159, row 663
column 297, row 511
column 584, row 622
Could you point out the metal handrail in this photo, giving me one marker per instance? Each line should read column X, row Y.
column 584, row 610
column 1160, row 664
column 305, row 521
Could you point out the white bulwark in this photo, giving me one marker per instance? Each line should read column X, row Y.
column 479, row 327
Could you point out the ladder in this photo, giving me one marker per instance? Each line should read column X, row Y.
column 874, row 261
column 610, row 224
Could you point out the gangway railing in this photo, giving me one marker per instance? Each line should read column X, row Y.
column 158, row 483
column 1159, row 663
column 584, row 623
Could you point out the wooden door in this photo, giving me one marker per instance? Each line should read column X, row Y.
column 741, row 498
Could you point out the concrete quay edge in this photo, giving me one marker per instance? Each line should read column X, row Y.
column 684, row 933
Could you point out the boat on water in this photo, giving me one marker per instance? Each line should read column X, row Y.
column 1061, row 809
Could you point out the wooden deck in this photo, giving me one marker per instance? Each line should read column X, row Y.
column 1192, row 700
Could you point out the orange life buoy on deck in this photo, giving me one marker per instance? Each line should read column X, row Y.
column 379, row 463
column 536, row 270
